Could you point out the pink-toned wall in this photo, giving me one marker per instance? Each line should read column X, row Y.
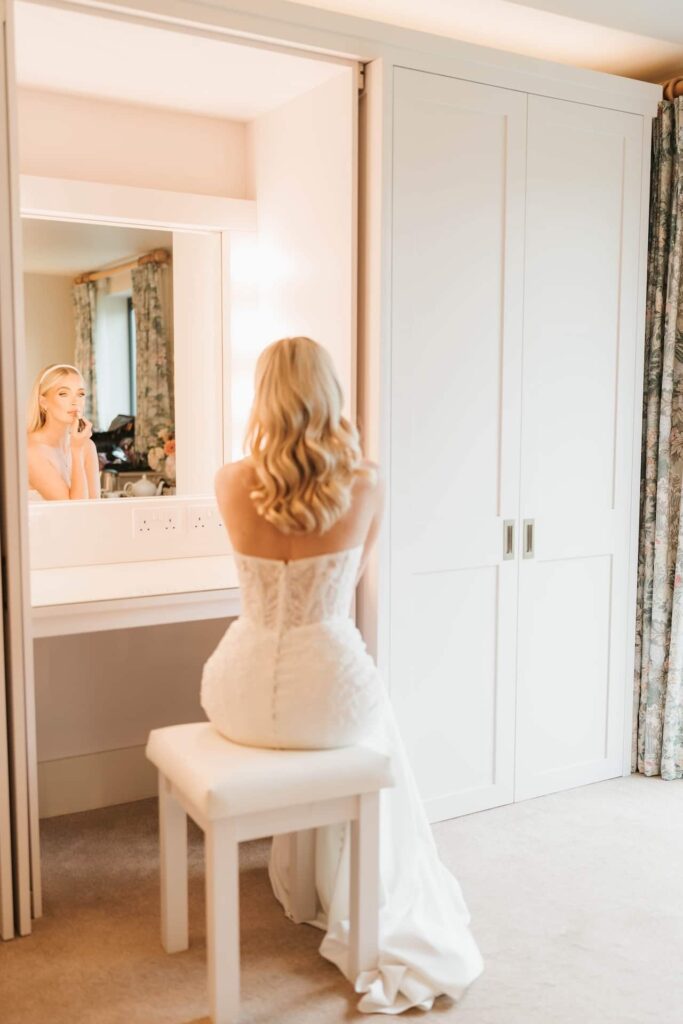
column 87, row 139
column 48, row 323
column 303, row 166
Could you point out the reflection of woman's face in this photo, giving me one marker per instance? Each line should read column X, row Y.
column 65, row 400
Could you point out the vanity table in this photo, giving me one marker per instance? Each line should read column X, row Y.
column 90, row 608
column 167, row 561
column 107, row 669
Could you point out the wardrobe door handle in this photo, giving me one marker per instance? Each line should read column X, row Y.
column 528, row 538
column 508, row 539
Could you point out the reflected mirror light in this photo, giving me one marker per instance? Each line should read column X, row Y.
column 99, row 359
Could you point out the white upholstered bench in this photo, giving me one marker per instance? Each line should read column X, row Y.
column 235, row 793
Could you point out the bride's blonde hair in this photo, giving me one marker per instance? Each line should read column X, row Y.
column 46, row 379
column 304, row 452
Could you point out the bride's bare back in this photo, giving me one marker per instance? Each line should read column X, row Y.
column 251, row 534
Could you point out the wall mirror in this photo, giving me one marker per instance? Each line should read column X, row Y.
column 191, row 222
column 98, row 299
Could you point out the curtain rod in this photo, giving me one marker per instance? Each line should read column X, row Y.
column 673, row 88
column 156, row 256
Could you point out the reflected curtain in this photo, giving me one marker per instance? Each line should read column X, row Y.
column 154, row 357
column 658, row 694
column 85, row 313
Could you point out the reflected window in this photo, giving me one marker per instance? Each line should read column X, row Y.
column 114, row 363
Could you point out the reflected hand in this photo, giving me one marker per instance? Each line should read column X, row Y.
column 80, row 438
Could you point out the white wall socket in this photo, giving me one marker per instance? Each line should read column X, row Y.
column 156, row 522
column 204, row 519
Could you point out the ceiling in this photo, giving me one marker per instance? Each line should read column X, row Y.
column 84, row 55
column 635, row 38
column 60, row 247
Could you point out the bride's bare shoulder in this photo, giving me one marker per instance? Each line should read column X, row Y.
column 371, row 476
column 234, row 477
column 372, row 467
column 368, row 487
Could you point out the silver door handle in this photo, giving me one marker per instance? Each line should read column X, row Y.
column 528, row 538
column 508, row 539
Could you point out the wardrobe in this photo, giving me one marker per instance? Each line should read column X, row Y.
column 517, row 248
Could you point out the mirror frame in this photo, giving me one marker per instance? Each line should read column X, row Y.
column 202, row 226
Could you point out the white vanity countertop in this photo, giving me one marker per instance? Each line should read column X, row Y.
column 122, row 595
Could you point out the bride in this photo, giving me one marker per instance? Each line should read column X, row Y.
column 62, row 458
column 303, row 511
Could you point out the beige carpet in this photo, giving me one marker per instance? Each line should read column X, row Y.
column 576, row 899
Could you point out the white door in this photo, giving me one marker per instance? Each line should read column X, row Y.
column 581, row 275
column 458, row 210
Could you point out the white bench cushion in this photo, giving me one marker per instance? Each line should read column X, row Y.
column 223, row 779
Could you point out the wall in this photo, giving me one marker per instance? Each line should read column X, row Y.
column 123, row 144
column 48, row 323
column 302, row 160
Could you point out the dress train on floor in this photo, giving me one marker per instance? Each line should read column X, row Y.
column 426, row 947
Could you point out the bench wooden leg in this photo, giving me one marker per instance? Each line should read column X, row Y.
column 222, row 921
column 364, row 887
column 173, row 843
column 303, row 896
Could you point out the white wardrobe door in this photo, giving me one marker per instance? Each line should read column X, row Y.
column 581, row 272
column 458, row 193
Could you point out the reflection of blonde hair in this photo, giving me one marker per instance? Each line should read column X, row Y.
column 46, row 379
column 304, row 451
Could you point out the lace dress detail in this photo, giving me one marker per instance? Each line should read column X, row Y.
column 293, row 672
column 285, row 595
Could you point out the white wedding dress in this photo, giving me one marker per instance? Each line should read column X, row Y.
column 293, row 672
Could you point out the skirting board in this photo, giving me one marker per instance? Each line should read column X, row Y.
column 83, row 783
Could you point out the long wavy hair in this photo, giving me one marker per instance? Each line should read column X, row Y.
column 305, row 453
column 46, row 379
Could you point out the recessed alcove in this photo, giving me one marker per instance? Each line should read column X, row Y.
column 242, row 156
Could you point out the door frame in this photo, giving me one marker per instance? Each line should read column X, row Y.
column 22, row 763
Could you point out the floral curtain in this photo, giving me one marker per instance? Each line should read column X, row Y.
column 658, row 695
column 85, row 314
column 154, row 358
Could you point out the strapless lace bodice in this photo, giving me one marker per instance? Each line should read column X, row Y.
column 292, row 670
column 283, row 595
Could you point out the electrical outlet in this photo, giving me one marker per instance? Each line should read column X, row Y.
column 143, row 524
column 156, row 522
column 204, row 519
column 168, row 520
